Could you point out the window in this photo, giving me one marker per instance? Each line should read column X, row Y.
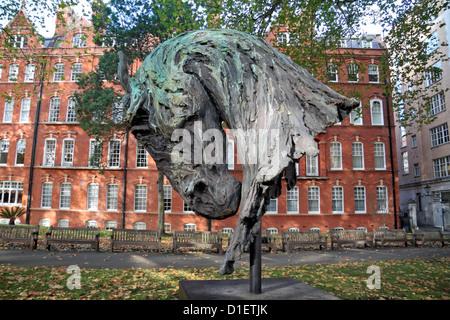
column 114, row 154
column 46, row 196
column 230, row 154
column 58, row 74
column 292, row 200
column 189, row 227
column 11, row 192
column 63, row 223
column 186, row 208
column 356, row 116
column 49, row 152
column 167, row 227
column 95, row 153
column 283, row 38
column 405, row 162
column 374, row 75
column 117, row 112
column 13, row 72
column 358, row 156
column 53, row 114
column 439, row 135
column 167, row 198
column 64, row 197
column 227, row 230
column 293, row 229
column 379, row 156
column 337, row 199
column 414, row 141
column 352, row 72
column 432, row 43
column 273, row 206
column 312, row 166
column 272, row 230
column 336, row 156
column 45, row 222
column 25, row 110
column 382, row 203
column 29, row 73
column 20, row 151
column 8, row 112
column 91, row 224
column 68, row 150
column 92, row 196
column 141, row 156
column 332, row 73
column 403, row 141
column 437, row 103
column 376, row 112
column 433, row 74
column 79, row 40
column 140, row 197
column 71, row 113
column 4, row 149
column 112, row 195
column 139, row 226
column 313, row 199
column 441, row 167
column 76, row 71
column 342, row 43
column 110, row 225
column 366, row 44
column 416, row 170
column 360, row 199
column 19, row 41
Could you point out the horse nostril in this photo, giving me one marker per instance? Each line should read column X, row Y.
column 200, row 187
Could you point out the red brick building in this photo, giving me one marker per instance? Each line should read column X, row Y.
column 352, row 183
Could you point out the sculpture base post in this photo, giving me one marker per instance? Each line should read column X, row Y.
column 255, row 264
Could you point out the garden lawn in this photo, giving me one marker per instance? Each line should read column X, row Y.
column 415, row 279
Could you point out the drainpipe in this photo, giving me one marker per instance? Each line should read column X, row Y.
column 124, row 193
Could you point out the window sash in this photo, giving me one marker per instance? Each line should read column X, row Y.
column 358, row 156
column 313, row 199
column 46, row 196
column 92, row 196
column 337, row 199
column 76, row 71
column 13, row 72
column 53, row 114
column 65, row 194
column 58, row 74
column 382, row 203
column 374, row 75
column 29, row 73
column 141, row 156
column 439, row 135
column 112, row 196
column 140, row 197
column 437, row 103
column 441, row 167
column 114, row 154
column 9, row 109
column 49, row 152
column 4, row 150
column 379, row 156
column 68, row 151
column 11, row 192
column 335, row 156
column 360, row 199
column 292, row 200
column 312, row 166
column 20, row 151
column 25, row 110
column 167, row 198
column 71, row 113
column 377, row 113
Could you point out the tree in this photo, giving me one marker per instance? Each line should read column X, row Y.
column 12, row 214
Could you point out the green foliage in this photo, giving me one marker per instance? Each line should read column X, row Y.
column 12, row 213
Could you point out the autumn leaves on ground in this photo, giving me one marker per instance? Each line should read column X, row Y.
column 414, row 279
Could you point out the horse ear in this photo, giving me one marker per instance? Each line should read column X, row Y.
column 122, row 72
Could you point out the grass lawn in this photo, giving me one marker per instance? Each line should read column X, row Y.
column 415, row 279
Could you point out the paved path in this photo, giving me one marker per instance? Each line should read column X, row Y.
column 143, row 259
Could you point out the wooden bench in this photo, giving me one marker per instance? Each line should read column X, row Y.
column 355, row 237
column 195, row 239
column 384, row 236
column 58, row 235
column 268, row 240
column 26, row 234
column 149, row 238
column 292, row 239
column 424, row 236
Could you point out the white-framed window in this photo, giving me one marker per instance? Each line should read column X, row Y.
column 71, row 115
column 332, row 72
column 313, row 199
column 167, row 227
column 92, row 196
column 141, row 156
column 91, row 224
column 360, row 199
column 67, row 152
column 336, row 155
column 437, row 103
column 46, row 195
column 79, row 40
column 9, row 109
column 433, row 74
column 114, row 154
column 293, row 229
column 25, row 110
column 376, row 111
column 13, row 72
column 382, row 199
column 53, row 113
column 112, row 196
column 283, row 38
column 352, row 72
column 1, row 71
column 337, row 199
column 11, row 192
column 189, row 227
column 374, row 74
column 44, row 222
column 441, row 167
column 95, row 153
column 273, row 206
column 58, row 74
column 312, row 166
column 19, row 41
column 4, row 150
column 292, row 200
column 405, row 162
column 366, row 44
column 49, row 152
column 65, row 194
column 356, row 117
column 379, row 156
column 414, row 141
column 110, row 225
column 29, row 73
column 227, row 230
column 20, row 152
column 139, row 225
column 342, row 43
column 230, row 154
column 63, row 223
column 140, row 197
column 167, row 198
column 358, row 156
column 432, row 43
column 76, row 71
column 439, row 135
column 403, row 137
column 186, row 208
column 272, row 231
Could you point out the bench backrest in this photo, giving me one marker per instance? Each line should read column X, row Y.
column 432, row 234
column 197, row 237
column 135, row 235
column 348, row 234
column 301, row 236
column 73, row 233
column 17, row 232
column 389, row 233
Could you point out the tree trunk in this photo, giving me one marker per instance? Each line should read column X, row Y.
column 12, row 221
column 160, row 203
